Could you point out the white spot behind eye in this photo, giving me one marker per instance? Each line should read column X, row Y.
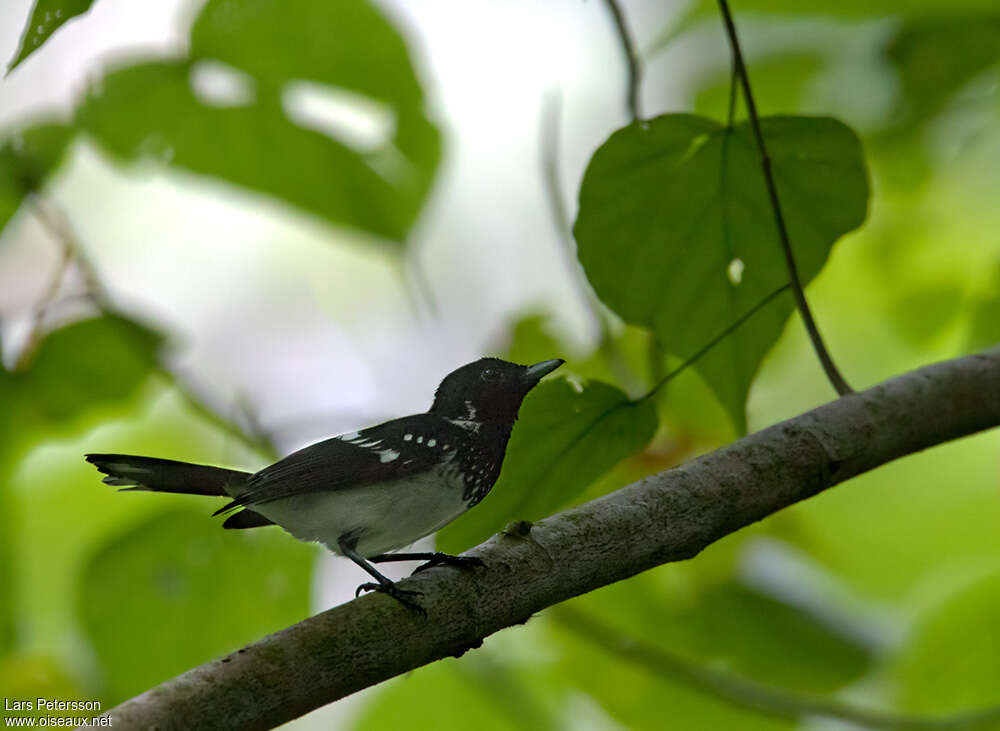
column 735, row 271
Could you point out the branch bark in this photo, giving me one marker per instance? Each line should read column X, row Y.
column 667, row 517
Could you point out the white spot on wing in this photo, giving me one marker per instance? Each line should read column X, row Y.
column 388, row 455
column 349, row 437
column 420, row 440
column 407, row 437
column 432, row 442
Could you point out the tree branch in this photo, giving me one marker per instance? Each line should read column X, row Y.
column 667, row 517
column 819, row 346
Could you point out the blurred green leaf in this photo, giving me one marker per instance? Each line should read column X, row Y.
column 27, row 158
column 950, row 660
column 984, row 324
column 480, row 690
column 833, row 9
column 640, row 699
column 779, row 85
column 711, row 618
column 668, row 207
column 266, row 49
column 47, row 17
column 566, row 437
column 28, row 677
column 532, row 340
column 79, row 373
column 173, row 591
column 923, row 313
column 936, row 56
column 82, row 369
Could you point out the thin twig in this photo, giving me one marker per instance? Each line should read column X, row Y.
column 631, row 59
column 800, row 298
column 36, row 330
column 750, row 694
column 713, row 342
column 549, row 158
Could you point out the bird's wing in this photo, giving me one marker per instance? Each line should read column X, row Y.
column 378, row 454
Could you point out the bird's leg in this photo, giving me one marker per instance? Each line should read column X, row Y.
column 385, row 584
column 432, row 559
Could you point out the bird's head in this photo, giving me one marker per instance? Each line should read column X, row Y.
column 489, row 390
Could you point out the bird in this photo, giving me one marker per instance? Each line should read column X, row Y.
column 368, row 493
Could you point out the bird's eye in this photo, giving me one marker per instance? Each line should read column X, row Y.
column 490, row 375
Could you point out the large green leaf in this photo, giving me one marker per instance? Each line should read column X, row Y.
column 27, row 158
column 566, row 438
column 176, row 591
column 268, row 48
column 668, row 207
column 47, row 17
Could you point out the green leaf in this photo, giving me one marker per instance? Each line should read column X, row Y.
column 173, row 592
column 924, row 313
column 834, row 9
column 668, row 206
column 27, row 158
column 565, row 438
column 780, row 85
column 268, row 48
column 83, row 369
column 640, row 699
column 984, row 324
column 27, row 677
column 500, row 694
column 936, row 56
column 949, row 663
column 46, row 18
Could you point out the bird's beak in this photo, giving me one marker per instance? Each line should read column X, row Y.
column 534, row 373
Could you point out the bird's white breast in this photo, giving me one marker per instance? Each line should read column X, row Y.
column 384, row 517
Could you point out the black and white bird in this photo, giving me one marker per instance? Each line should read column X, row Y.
column 368, row 493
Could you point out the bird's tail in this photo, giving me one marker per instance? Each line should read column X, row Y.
column 165, row 475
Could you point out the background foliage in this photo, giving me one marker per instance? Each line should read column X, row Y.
column 883, row 128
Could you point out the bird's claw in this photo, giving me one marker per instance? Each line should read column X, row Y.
column 444, row 559
column 405, row 597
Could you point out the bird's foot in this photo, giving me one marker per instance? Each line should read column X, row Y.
column 445, row 559
column 406, row 597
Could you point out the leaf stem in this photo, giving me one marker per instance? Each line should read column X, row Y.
column 631, row 59
column 825, row 359
column 712, row 343
column 747, row 693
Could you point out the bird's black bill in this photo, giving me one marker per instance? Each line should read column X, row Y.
column 535, row 373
